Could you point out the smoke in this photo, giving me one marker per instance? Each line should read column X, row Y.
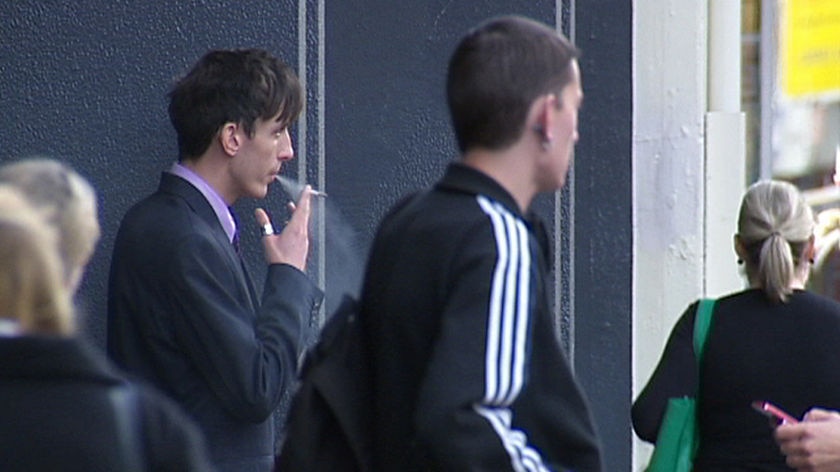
column 342, row 267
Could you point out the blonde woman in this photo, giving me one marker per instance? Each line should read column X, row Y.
column 33, row 298
column 64, row 407
column 774, row 342
column 67, row 202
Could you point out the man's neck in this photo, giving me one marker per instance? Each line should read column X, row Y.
column 216, row 201
column 509, row 168
column 213, row 171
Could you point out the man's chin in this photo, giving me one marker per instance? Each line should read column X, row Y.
column 259, row 193
column 553, row 185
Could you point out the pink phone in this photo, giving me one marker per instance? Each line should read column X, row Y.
column 773, row 412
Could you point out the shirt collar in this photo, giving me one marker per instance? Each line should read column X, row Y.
column 9, row 328
column 213, row 198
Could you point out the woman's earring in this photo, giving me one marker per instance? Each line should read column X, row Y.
column 740, row 261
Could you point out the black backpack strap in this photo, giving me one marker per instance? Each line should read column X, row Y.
column 123, row 399
column 327, row 427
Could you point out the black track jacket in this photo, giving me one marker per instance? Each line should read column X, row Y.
column 468, row 371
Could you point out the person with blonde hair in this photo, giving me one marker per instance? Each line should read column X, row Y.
column 32, row 298
column 64, row 406
column 773, row 342
column 68, row 203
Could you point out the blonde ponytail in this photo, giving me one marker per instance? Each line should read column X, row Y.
column 775, row 225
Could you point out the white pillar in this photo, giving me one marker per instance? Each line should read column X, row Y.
column 725, row 55
column 669, row 103
column 725, row 148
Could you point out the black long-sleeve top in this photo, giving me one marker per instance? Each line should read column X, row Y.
column 785, row 353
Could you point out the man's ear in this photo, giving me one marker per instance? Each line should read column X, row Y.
column 230, row 138
column 544, row 120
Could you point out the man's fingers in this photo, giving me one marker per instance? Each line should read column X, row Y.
column 263, row 220
column 787, row 431
column 301, row 209
column 261, row 216
column 819, row 414
column 305, row 200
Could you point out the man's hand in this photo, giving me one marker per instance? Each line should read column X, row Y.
column 291, row 245
column 812, row 445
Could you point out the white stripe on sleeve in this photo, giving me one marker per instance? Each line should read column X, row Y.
column 507, row 334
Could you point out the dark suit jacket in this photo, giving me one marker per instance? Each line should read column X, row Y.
column 184, row 314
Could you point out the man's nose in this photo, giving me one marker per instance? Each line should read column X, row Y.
column 287, row 153
column 285, row 150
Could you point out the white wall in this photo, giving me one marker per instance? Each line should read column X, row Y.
column 669, row 87
column 688, row 174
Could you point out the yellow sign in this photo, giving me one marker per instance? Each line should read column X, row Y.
column 810, row 47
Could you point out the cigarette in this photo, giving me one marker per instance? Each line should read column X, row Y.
column 315, row 193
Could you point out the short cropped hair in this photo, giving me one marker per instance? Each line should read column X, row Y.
column 495, row 74
column 32, row 289
column 67, row 202
column 238, row 86
column 775, row 225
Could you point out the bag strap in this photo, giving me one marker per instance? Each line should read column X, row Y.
column 123, row 400
column 702, row 324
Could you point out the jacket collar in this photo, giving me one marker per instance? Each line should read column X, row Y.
column 52, row 357
column 460, row 177
column 179, row 187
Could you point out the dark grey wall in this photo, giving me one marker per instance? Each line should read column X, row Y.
column 603, row 241
column 86, row 82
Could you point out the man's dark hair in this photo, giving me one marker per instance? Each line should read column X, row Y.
column 238, row 86
column 496, row 72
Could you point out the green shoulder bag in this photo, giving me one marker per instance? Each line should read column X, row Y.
column 676, row 443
